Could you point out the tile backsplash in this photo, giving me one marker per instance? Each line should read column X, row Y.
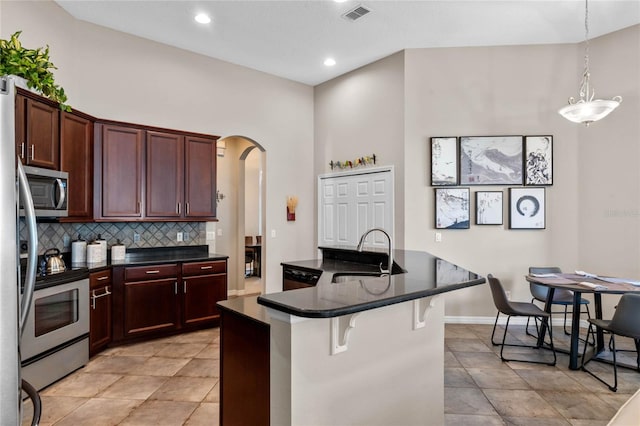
column 152, row 234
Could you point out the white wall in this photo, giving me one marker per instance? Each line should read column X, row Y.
column 116, row 76
column 252, row 169
column 500, row 91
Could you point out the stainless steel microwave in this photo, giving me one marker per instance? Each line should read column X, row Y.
column 49, row 191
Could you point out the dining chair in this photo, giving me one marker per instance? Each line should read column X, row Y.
column 248, row 256
column 516, row 309
column 626, row 323
column 561, row 297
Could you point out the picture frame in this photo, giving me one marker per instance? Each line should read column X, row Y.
column 527, row 208
column 444, row 161
column 538, row 160
column 489, row 207
column 452, row 208
column 491, row 160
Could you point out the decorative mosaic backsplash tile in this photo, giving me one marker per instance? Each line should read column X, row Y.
column 152, row 234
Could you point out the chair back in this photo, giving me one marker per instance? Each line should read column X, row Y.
column 499, row 296
column 626, row 319
column 540, row 292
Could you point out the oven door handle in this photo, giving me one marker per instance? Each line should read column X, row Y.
column 95, row 297
column 32, row 244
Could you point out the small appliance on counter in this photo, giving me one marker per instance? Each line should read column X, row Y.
column 103, row 247
column 118, row 251
column 54, row 262
column 94, row 252
column 78, row 251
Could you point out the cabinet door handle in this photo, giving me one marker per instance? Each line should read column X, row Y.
column 184, row 287
column 102, row 278
column 94, row 296
column 175, row 287
column 155, row 271
column 206, row 267
column 22, row 150
column 187, row 208
column 177, row 208
column 33, row 152
column 138, row 207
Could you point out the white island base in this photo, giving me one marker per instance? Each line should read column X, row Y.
column 383, row 366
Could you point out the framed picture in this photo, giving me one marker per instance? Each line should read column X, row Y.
column 489, row 208
column 452, row 208
column 491, row 160
column 538, row 160
column 526, row 208
column 444, row 161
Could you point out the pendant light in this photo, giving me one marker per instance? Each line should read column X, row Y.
column 587, row 110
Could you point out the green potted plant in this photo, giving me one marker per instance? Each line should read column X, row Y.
column 34, row 66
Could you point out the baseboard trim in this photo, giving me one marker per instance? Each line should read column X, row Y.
column 557, row 322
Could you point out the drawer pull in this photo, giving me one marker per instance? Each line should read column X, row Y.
column 94, row 297
column 206, row 267
column 103, row 278
column 155, row 271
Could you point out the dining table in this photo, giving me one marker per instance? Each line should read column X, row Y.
column 580, row 283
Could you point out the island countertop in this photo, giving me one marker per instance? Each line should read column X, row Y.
column 426, row 275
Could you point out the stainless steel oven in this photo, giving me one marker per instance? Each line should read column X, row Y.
column 55, row 341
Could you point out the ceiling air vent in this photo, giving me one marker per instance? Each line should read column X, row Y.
column 356, row 13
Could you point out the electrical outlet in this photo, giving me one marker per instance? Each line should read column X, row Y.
column 179, row 237
column 220, row 232
column 211, row 235
column 66, row 241
column 438, row 237
column 273, row 233
column 508, row 293
column 185, row 237
column 136, row 237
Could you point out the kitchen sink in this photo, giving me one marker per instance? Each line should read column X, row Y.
column 342, row 277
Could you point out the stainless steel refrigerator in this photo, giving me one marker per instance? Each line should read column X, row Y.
column 15, row 299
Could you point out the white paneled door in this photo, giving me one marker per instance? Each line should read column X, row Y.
column 349, row 203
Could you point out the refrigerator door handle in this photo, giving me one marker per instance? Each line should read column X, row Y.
column 32, row 242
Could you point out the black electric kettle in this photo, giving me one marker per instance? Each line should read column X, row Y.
column 54, row 261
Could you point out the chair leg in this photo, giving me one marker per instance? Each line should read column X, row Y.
column 612, row 343
column 504, row 339
column 494, row 330
column 526, row 329
column 568, row 333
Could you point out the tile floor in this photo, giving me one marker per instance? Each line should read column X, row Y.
column 175, row 381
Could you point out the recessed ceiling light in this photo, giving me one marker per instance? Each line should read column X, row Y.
column 202, row 18
column 329, row 62
column 339, row 1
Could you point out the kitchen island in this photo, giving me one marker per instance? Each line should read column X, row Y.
column 356, row 348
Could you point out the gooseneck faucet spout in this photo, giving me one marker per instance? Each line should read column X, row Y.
column 390, row 256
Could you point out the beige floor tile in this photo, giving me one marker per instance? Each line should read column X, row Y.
column 181, row 350
column 458, row 378
column 134, row 387
column 191, row 389
column 161, row 366
column 519, row 403
column 160, row 413
column 97, row 411
column 146, row 349
column 616, row 400
column 214, row 393
column 471, row 420
column 466, row 401
column 114, row 364
column 201, row 368
column 54, row 408
column 580, row 422
column 554, row 380
column 576, row 405
column 466, row 345
column 203, row 336
column 207, row 414
column 480, row 360
column 211, row 351
column 535, row 421
column 450, row 360
column 81, row 384
column 492, row 379
column 459, row 331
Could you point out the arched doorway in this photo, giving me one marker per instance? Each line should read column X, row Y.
column 241, row 171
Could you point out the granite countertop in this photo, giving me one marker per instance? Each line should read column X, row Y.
column 426, row 275
column 246, row 306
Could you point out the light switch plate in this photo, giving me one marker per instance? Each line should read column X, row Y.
column 179, row 237
column 211, row 235
column 273, row 233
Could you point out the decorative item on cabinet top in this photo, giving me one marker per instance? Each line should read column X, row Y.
column 350, row 164
column 292, row 203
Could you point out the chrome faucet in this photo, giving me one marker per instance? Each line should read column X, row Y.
column 361, row 243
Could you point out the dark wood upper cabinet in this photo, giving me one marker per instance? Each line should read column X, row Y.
column 200, row 177
column 119, row 172
column 165, row 175
column 37, row 133
column 76, row 158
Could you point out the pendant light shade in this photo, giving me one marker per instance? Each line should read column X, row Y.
column 586, row 110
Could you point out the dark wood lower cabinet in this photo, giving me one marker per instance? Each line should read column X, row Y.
column 100, row 311
column 150, row 306
column 244, row 370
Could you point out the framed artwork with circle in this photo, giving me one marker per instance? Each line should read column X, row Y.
column 527, row 208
